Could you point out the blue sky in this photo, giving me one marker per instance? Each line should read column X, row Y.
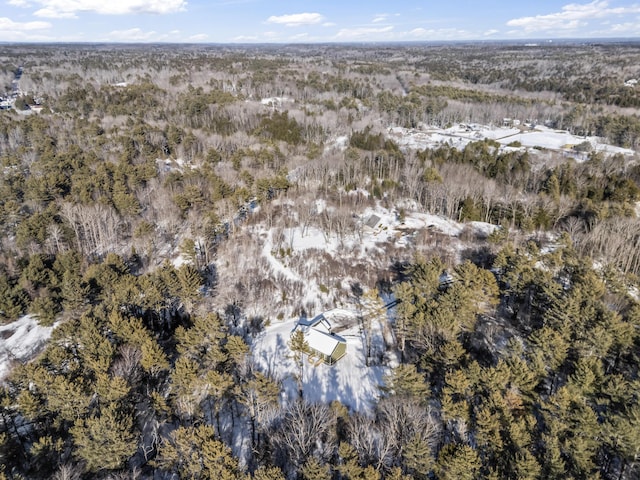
column 286, row 21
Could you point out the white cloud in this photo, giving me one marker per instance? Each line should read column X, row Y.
column 388, row 34
column 329, row 24
column 434, row 34
column 383, row 17
column 296, row 19
column 131, row 35
column 8, row 25
column 364, row 33
column 491, row 32
column 11, row 31
column 50, row 13
column 245, row 38
column 626, row 28
column 199, row 37
column 19, row 3
column 572, row 17
column 70, row 8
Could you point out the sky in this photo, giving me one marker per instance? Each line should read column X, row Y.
column 311, row 21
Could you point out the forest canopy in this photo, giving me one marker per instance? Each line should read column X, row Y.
column 166, row 209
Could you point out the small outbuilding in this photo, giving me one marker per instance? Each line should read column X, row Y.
column 372, row 221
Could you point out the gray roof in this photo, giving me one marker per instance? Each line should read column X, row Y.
column 372, row 221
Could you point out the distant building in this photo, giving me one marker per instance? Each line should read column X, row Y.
column 372, row 221
column 323, row 343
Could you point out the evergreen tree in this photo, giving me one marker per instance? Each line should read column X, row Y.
column 194, row 453
column 104, row 441
column 373, row 312
column 457, row 462
column 299, row 347
column 418, row 457
column 314, row 470
column 622, row 434
column 349, row 466
column 202, row 342
column 406, row 381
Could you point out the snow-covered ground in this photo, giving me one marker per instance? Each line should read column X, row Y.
column 276, row 101
column 349, row 381
column 20, row 340
column 459, row 136
column 386, row 229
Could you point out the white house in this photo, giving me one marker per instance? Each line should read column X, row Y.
column 322, row 342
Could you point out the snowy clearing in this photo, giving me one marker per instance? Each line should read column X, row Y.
column 459, row 136
column 20, row 340
column 349, row 381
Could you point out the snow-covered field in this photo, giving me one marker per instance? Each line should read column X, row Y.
column 459, row 136
column 20, row 340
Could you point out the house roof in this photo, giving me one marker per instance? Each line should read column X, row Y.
column 323, row 342
column 317, row 332
column 318, row 322
column 372, row 221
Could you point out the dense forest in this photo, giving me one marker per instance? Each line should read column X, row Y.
column 149, row 197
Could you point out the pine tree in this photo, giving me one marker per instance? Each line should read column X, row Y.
column 314, row 470
column 373, row 312
column 418, row 457
column 457, row 462
column 202, row 342
column 526, row 467
column 12, row 299
column 414, row 296
column 267, row 473
column 554, row 467
column 396, row 474
column 406, row 381
column 73, row 291
column 480, row 286
column 194, row 453
column 456, row 396
column 549, row 351
column 299, row 347
column 95, row 350
column 104, row 441
column 349, row 466
column 190, row 282
column 184, row 379
column 132, row 330
column 488, row 430
column 622, row 434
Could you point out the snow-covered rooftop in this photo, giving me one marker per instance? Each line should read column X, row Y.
column 322, row 342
